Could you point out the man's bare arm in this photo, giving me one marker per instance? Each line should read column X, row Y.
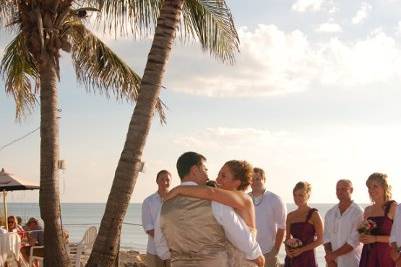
column 279, row 240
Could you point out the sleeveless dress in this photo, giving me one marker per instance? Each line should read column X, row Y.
column 378, row 254
column 236, row 258
column 305, row 232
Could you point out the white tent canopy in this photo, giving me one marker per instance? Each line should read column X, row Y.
column 10, row 182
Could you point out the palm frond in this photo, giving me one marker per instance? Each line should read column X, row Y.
column 20, row 72
column 99, row 68
column 122, row 17
column 8, row 9
column 211, row 22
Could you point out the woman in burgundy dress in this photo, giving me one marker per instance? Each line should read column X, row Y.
column 376, row 249
column 303, row 224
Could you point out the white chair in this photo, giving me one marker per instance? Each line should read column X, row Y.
column 83, row 247
column 32, row 258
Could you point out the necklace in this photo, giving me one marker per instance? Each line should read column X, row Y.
column 257, row 200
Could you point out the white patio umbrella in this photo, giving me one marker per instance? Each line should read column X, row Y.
column 10, row 182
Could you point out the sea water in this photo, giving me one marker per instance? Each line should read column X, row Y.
column 77, row 217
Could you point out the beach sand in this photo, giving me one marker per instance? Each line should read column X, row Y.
column 132, row 258
column 128, row 258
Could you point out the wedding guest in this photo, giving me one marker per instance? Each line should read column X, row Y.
column 13, row 226
column 377, row 250
column 341, row 237
column 19, row 220
column 35, row 237
column 270, row 213
column 303, row 224
column 395, row 238
column 35, row 230
column 150, row 210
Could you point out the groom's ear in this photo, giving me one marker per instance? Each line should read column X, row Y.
column 193, row 170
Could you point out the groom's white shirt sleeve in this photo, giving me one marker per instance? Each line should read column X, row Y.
column 237, row 232
column 160, row 241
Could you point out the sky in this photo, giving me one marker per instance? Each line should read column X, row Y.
column 313, row 96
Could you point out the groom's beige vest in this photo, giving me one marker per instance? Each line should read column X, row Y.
column 193, row 235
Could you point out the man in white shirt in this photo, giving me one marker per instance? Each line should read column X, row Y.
column 271, row 215
column 341, row 238
column 193, row 232
column 395, row 238
column 150, row 210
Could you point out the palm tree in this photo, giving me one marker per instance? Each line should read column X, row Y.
column 30, row 67
column 209, row 21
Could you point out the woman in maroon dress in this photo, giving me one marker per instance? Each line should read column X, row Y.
column 376, row 249
column 303, row 224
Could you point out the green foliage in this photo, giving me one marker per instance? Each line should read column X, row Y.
column 100, row 69
column 209, row 21
column 126, row 17
column 212, row 24
column 19, row 72
column 96, row 66
column 8, row 9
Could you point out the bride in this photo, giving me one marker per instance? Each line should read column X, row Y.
column 233, row 180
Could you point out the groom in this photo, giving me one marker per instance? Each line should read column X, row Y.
column 193, row 232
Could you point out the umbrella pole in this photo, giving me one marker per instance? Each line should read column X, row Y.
column 5, row 209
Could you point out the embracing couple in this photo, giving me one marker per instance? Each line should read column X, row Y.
column 203, row 226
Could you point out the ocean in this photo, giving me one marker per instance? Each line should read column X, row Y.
column 77, row 217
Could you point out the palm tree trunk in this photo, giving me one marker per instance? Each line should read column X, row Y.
column 55, row 252
column 105, row 248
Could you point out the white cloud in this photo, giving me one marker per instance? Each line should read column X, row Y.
column 314, row 6
column 399, row 27
column 271, row 62
column 329, row 27
column 231, row 138
column 362, row 13
column 307, row 5
column 362, row 63
column 274, row 62
column 333, row 9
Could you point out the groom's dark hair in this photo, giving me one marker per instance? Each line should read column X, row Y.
column 186, row 161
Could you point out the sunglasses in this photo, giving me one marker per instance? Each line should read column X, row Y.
column 10, row 222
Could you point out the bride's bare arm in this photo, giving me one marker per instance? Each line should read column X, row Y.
column 230, row 198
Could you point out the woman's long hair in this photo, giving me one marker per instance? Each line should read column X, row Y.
column 381, row 179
